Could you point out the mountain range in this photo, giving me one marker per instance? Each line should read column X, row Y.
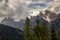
column 51, row 18
column 48, row 17
column 11, row 22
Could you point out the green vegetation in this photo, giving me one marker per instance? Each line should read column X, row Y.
column 53, row 33
column 27, row 29
column 44, row 31
column 40, row 31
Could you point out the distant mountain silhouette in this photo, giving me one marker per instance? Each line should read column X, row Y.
column 47, row 17
column 9, row 21
column 10, row 33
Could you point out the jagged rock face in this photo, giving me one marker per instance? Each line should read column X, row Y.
column 52, row 18
column 49, row 16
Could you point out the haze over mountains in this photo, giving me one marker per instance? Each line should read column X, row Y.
column 11, row 22
column 13, row 14
column 47, row 16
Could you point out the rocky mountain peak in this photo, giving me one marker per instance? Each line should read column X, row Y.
column 49, row 16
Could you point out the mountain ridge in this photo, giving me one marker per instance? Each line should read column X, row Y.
column 10, row 33
column 47, row 17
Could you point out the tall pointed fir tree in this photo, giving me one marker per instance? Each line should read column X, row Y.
column 36, row 29
column 26, row 29
column 41, row 30
column 44, row 31
column 53, row 33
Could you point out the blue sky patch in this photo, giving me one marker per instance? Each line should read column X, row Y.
column 36, row 5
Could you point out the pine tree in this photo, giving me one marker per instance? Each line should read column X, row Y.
column 36, row 32
column 37, row 21
column 53, row 33
column 44, row 31
column 36, row 29
column 26, row 29
column 40, row 30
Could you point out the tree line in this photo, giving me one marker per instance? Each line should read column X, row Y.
column 40, row 31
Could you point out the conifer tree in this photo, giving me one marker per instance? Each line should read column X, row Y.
column 26, row 29
column 41, row 30
column 36, row 29
column 53, row 33
column 44, row 31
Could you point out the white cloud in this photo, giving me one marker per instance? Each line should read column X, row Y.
column 18, row 8
column 34, row 13
column 15, row 7
column 54, row 6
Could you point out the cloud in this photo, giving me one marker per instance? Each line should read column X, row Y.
column 54, row 6
column 15, row 7
column 18, row 9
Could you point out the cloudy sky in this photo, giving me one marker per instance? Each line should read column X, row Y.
column 19, row 9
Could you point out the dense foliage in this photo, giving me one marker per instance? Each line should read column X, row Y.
column 40, row 31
